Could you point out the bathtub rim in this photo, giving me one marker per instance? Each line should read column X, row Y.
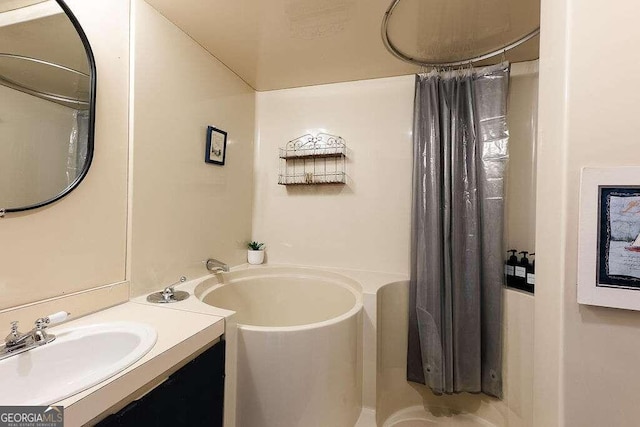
column 210, row 284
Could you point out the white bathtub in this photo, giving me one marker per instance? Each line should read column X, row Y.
column 299, row 345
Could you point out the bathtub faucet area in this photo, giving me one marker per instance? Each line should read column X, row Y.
column 216, row 266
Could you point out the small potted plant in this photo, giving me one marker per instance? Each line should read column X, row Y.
column 255, row 254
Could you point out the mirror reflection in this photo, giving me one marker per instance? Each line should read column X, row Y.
column 45, row 104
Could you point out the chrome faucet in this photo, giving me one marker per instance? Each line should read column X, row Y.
column 169, row 292
column 17, row 342
column 16, row 338
column 216, row 266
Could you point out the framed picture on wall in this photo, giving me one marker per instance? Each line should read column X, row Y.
column 216, row 150
column 609, row 238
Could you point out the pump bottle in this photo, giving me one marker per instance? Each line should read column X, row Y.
column 521, row 271
column 531, row 275
column 510, row 267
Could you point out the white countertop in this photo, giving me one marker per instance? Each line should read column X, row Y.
column 191, row 304
column 180, row 334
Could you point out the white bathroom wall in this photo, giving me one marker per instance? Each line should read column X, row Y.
column 79, row 242
column 184, row 210
column 364, row 224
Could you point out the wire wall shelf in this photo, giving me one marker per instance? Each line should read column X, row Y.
column 313, row 160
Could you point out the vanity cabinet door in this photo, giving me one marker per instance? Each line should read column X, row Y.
column 192, row 396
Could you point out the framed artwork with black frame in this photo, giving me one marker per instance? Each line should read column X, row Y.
column 619, row 237
column 609, row 238
column 216, row 151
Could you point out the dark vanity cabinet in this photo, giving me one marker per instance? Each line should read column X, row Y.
column 192, row 396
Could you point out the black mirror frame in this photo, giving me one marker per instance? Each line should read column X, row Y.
column 92, row 117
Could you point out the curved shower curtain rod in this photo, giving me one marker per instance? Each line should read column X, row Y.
column 41, row 94
column 423, row 63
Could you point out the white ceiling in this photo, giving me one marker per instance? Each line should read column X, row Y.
column 7, row 5
column 288, row 43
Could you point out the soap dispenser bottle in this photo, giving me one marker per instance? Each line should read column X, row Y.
column 531, row 275
column 521, row 271
column 510, row 267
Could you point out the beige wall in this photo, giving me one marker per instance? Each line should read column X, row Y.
column 522, row 116
column 184, row 210
column 80, row 241
column 590, row 107
column 34, row 146
column 550, row 215
column 364, row 224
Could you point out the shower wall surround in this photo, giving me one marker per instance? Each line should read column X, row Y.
column 365, row 224
column 369, row 218
column 522, row 116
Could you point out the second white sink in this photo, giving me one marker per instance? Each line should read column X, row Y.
column 79, row 358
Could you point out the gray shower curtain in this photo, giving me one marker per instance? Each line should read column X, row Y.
column 460, row 154
column 78, row 145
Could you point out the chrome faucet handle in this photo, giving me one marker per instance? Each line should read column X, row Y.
column 51, row 319
column 14, row 333
column 16, row 339
column 169, row 291
column 40, row 336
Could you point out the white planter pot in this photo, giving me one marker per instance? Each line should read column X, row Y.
column 255, row 257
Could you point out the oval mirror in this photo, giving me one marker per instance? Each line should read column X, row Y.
column 47, row 103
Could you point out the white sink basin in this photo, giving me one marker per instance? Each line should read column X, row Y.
column 79, row 358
